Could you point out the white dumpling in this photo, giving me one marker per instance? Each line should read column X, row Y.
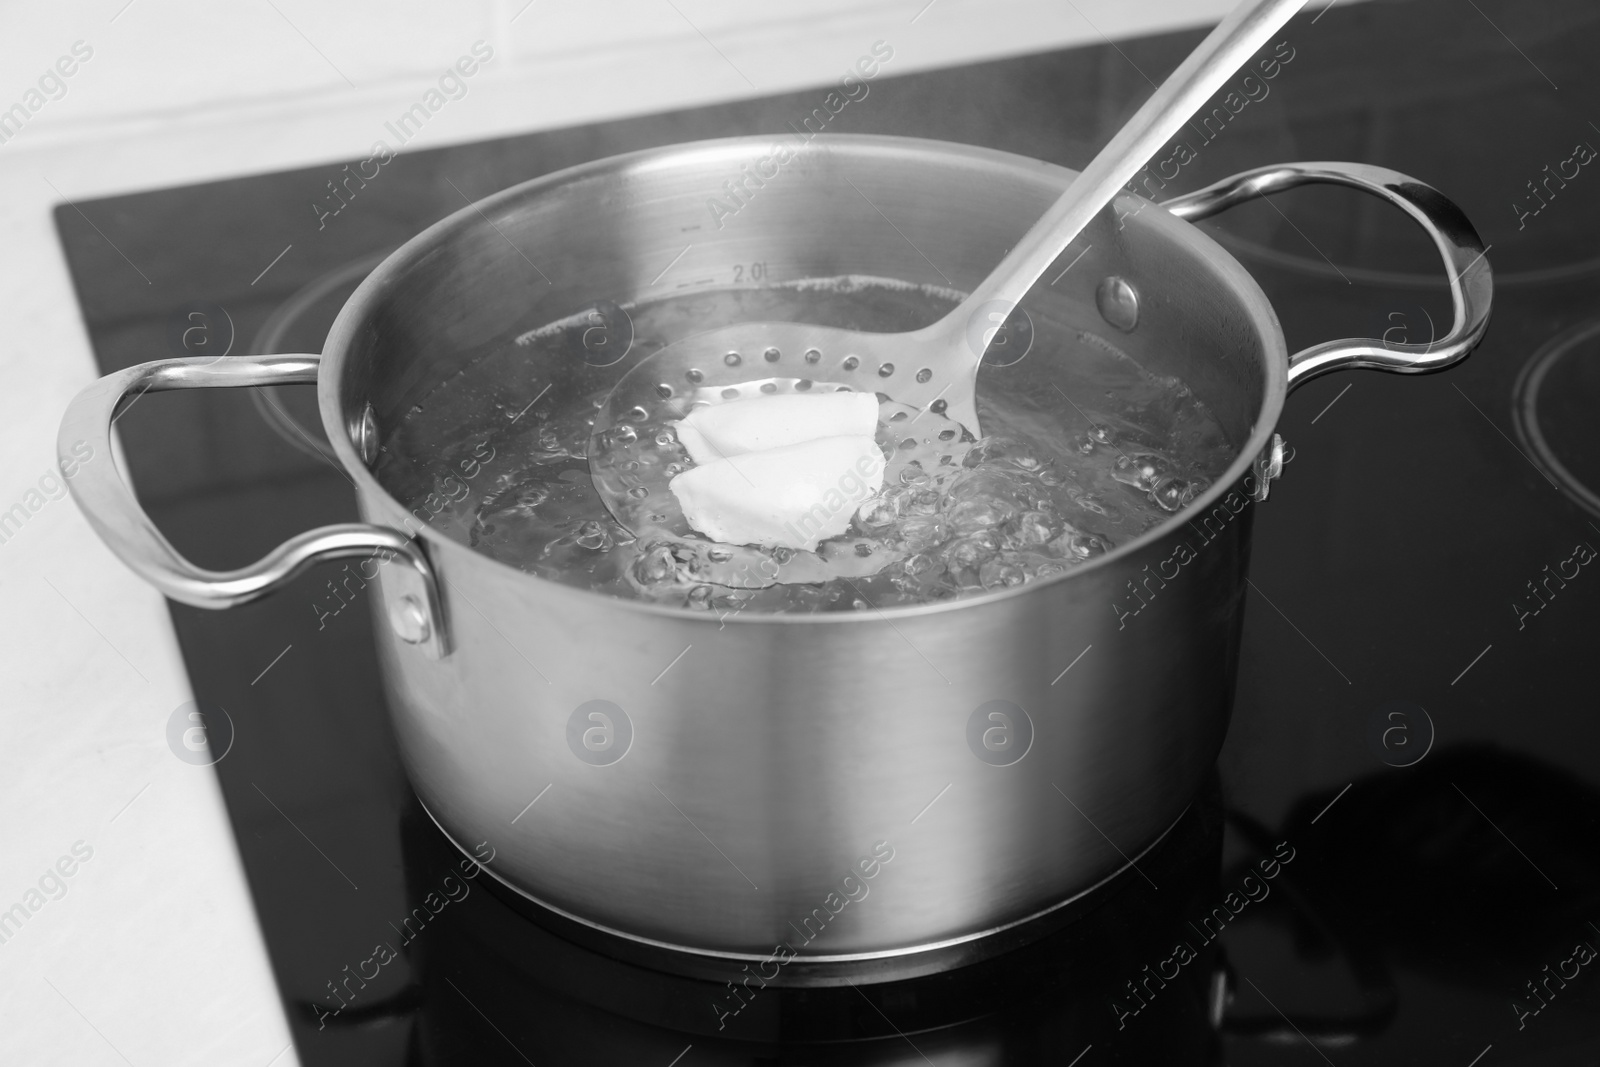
column 794, row 496
column 759, row 423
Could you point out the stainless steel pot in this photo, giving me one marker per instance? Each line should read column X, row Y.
column 840, row 788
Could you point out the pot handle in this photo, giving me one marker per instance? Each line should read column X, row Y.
column 1471, row 281
column 415, row 610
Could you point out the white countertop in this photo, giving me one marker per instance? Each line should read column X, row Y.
column 149, row 953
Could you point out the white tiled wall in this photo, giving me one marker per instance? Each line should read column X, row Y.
column 556, row 62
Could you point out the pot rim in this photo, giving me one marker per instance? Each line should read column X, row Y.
column 736, row 149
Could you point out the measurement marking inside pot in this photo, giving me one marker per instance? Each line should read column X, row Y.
column 530, row 404
column 1299, row 631
column 1331, row 803
column 531, row 803
column 931, row 803
column 1502, row 833
column 302, row 833
column 673, row 664
column 923, row 12
column 1073, row 664
column 129, row 804
column 702, row 833
column 490, row 1021
column 279, row 1056
column 1473, row 664
column 1332, row 402
column 273, row 664
column 1063, row 274
column 1288, row 1020
column 680, row 1055
column 892, row 1026
column 1102, row 833
column 1481, row 1055
column 1080, row 1055
column 669, row 266
column 274, row 263
column 93, row 627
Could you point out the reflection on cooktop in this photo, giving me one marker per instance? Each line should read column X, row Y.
column 1555, row 403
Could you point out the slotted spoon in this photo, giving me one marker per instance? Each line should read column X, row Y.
column 931, row 370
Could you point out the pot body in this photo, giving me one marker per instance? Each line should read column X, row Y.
column 847, row 785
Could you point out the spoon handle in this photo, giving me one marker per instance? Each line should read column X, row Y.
column 1218, row 57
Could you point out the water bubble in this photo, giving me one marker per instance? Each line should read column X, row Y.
column 1172, row 493
column 914, row 476
column 1075, row 544
column 655, row 566
column 946, row 435
column 638, row 492
column 1027, row 463
column 1001, row 574
column 850, row 363
column 859, row 605
column 1141, row 470
column 696, row 376
column 812, row 355
column 771, row 355
column 719, row 554
column 924, row 375
column 664, row 391
column 877, row 513
column 730, row 393
column 885, row 370
column 700, row 597
column 666, row 439
column 863, row 549
column 624, row 434
column 1033, row 528
column 769, row 387
column 733, row 359
column 803, row 385
column 593, row 536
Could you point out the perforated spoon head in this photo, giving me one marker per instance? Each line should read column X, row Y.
column 634, row 454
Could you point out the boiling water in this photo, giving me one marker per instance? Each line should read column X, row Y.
column 1072, row 463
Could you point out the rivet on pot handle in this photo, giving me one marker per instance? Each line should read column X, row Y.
column 1471, row 281
column 106, row 501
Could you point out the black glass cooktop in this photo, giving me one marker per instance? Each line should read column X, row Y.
column 1414, row 752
